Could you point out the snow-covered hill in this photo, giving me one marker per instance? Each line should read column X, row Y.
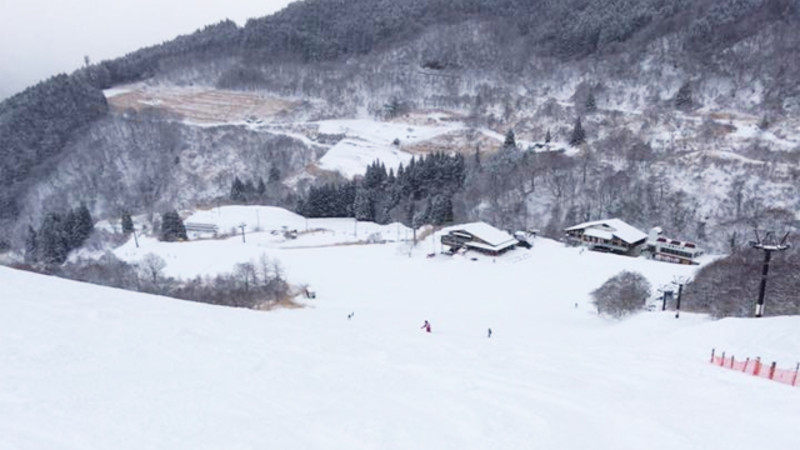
column 90, row 367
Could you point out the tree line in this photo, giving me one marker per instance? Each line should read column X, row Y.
column 418, row 193
column 35, row 126
column 58, row 234
column 253, row 284
column 728, row 287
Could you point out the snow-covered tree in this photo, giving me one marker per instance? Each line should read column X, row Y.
column 623, row 294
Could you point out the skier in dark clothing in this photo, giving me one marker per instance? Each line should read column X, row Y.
column 489, row 334
column 426, row 326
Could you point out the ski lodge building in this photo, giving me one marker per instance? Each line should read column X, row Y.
column 662, row 248
column 609, row 235
column 479, row 236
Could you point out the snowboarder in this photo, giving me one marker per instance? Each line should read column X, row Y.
column 489, row 334
column 426, row 326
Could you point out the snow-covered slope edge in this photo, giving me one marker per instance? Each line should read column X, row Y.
column 90, row 367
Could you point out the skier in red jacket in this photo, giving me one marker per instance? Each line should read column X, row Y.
column 426, row 326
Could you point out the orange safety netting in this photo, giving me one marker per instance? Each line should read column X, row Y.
column 757, row 368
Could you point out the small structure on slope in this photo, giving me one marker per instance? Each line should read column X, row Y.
column 609, row 235
column 662, row 248
column 479, row 236
column 196, row 230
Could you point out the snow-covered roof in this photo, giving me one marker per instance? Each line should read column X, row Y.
column 617, row 227
column 495, row 248
column 598, row 233
column 487, row 233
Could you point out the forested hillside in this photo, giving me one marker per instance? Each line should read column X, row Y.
column 689, row 113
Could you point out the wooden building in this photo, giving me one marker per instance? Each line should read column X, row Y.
column 610, row 235
column 662, row 248
column 480, row 237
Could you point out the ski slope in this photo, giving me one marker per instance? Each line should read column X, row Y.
column 85, row 367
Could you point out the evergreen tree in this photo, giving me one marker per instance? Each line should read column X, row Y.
column 70, row 229
column 172, row 228
column 274, row 175
column 510, row 141
column 249, row 189
column 441, row 210
column 31, row 246
column 127, row 223
column 53, row 242
column 764, row 123
column 363, row 206
column 394, row 108
column 261, row 190
column 590, row 104
column 683, row 99
column 237, row 190
column 578, row 135
column 82, row 226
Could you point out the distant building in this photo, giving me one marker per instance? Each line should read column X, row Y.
column 196, row 230
column 481, row 237
column 610, row 235
column 671, row 250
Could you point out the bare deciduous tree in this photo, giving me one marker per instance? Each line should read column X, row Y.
column 623, row 294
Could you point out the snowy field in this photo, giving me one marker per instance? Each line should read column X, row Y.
column 370, row 140
column 86, row 367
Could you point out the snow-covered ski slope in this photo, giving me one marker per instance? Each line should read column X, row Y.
column 86, row 367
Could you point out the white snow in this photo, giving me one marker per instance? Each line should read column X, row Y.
column 113, row 92
column 486, row 232
column 617, row 227
column 350, row 157
column 84, row 366
column 368, row 140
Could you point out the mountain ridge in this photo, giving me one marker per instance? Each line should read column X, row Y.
column 470, row 58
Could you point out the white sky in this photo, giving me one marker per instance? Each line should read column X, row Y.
column 40, row 38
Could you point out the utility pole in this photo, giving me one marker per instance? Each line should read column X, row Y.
column 680, row 282
column 135, row 239
column 242, row 226
column 768, row 244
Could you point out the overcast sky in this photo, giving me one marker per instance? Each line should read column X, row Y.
column 40, row 38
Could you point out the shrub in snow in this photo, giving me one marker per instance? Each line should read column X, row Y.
column 623, row 294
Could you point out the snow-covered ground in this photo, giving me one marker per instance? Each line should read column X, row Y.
column 370, row 140
column 90, row 367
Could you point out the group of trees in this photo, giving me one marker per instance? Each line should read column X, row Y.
column 249, row 285
column 419, row 193
column 172, row 228
column 728, row 287
column 58, row 234
column 250, row 192
column 35, row 125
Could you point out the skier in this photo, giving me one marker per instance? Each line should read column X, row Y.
column 350, row 316
column 426, row 326
column 489, row 334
